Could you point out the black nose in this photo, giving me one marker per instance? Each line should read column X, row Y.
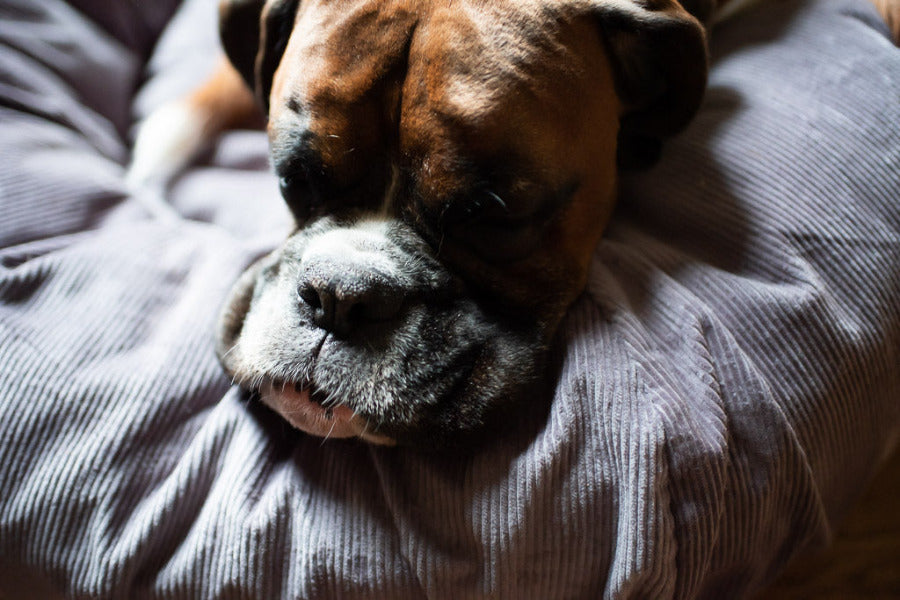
column 343, row 303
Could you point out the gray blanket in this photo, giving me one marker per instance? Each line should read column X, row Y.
column 727, row 384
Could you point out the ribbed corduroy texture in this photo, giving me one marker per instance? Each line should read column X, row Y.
column 728, row 383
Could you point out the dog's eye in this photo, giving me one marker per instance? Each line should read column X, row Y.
column 483, row 223
column 302, row 198
column 500, row 231
column 480, row 205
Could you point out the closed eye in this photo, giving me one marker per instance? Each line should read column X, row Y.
column 474, row 206
column 485, row 224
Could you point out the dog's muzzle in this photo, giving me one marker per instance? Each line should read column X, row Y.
column 353, row 329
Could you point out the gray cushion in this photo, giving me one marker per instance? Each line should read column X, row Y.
column 728, row 382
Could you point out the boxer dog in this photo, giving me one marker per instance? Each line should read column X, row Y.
column 450, row 165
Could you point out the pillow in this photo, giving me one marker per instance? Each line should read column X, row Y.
column 727, row 383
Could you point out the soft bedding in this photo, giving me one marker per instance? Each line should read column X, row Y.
column 728, row 383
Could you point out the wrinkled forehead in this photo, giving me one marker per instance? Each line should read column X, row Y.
column 350, row 48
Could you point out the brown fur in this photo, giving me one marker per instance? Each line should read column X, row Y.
column 440, row 85
column 487, row 110
column 227, row 101
column 890, row 12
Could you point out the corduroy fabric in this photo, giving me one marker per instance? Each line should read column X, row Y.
column 728, row 383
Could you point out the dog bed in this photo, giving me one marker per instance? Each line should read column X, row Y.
column 728, row 383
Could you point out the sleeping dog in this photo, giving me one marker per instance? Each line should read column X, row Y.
column 450, row 166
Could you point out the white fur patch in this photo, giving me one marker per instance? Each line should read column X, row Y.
column 361, row 244
column 166, row 143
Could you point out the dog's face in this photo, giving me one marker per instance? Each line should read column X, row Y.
column 450, row 166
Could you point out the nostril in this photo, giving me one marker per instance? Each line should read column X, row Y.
column 378, row 304
column 309, row 295
column 342, row 305
column 366, row 307
column 321, row 301
column 352, row 315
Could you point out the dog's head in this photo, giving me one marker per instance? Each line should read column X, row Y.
column 450, row 166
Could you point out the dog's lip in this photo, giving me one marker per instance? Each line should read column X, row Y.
column 309, row 410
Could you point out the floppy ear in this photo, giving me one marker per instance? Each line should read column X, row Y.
column 659, row 58
column 254, row 34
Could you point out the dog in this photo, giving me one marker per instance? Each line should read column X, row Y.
column 450, row 166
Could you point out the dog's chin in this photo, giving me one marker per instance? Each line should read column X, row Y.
column 319, row 418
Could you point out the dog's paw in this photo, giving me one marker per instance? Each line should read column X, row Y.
column 166, row 142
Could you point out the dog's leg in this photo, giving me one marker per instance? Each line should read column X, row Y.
column 890, row 11
column 175, row 133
